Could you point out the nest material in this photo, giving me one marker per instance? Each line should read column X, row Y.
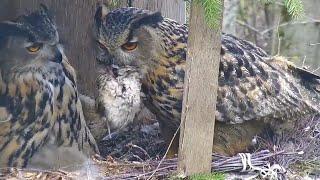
column 112, row 169
column 136, row 154
column 155, row 169
column 299, row 147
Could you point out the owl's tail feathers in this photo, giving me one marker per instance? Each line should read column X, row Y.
column 308, row 79
column 306, row 74
column 283, row 63
column 312, row 82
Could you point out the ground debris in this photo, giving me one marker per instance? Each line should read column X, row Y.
column 135, row 153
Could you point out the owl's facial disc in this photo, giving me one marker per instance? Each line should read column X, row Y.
column 19, row 53
column 125, row 37
column 30, row 41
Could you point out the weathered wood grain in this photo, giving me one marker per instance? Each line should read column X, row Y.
column 200, row 94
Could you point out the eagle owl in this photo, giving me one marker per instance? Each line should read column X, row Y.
column 41, row 118
column 256, row 92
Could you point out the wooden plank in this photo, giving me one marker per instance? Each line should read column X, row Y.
column 174, row 9
column 200, row 94
column 7, row 9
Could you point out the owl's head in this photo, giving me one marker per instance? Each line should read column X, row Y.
column 29, row 41
column 127, row 36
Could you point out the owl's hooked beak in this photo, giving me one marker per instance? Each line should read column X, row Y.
column 57, row 56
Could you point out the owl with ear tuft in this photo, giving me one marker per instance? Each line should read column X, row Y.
column 256, row 92
column 41, row 118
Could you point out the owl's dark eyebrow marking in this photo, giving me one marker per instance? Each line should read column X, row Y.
column 149, row 19
column 130, row 36
column 101, row 44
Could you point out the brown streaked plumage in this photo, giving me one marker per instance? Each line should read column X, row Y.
column 255, row 91
column 41, row 118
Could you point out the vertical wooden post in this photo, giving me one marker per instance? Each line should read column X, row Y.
column 200, row 93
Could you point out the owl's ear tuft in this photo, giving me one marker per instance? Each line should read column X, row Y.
column 151, row 18
column 43, row 8
column 101, row 12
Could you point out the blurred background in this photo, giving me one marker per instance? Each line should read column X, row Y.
column 267, row 25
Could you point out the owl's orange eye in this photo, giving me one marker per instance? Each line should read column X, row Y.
column 129, row 46
column 34, row 47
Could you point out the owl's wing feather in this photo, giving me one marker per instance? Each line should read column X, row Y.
column 252, row 87
column 70, row 114
column 26, row 113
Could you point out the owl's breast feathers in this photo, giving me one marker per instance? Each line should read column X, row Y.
column 39, row 106
column 252, row 86
column 27, row 113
